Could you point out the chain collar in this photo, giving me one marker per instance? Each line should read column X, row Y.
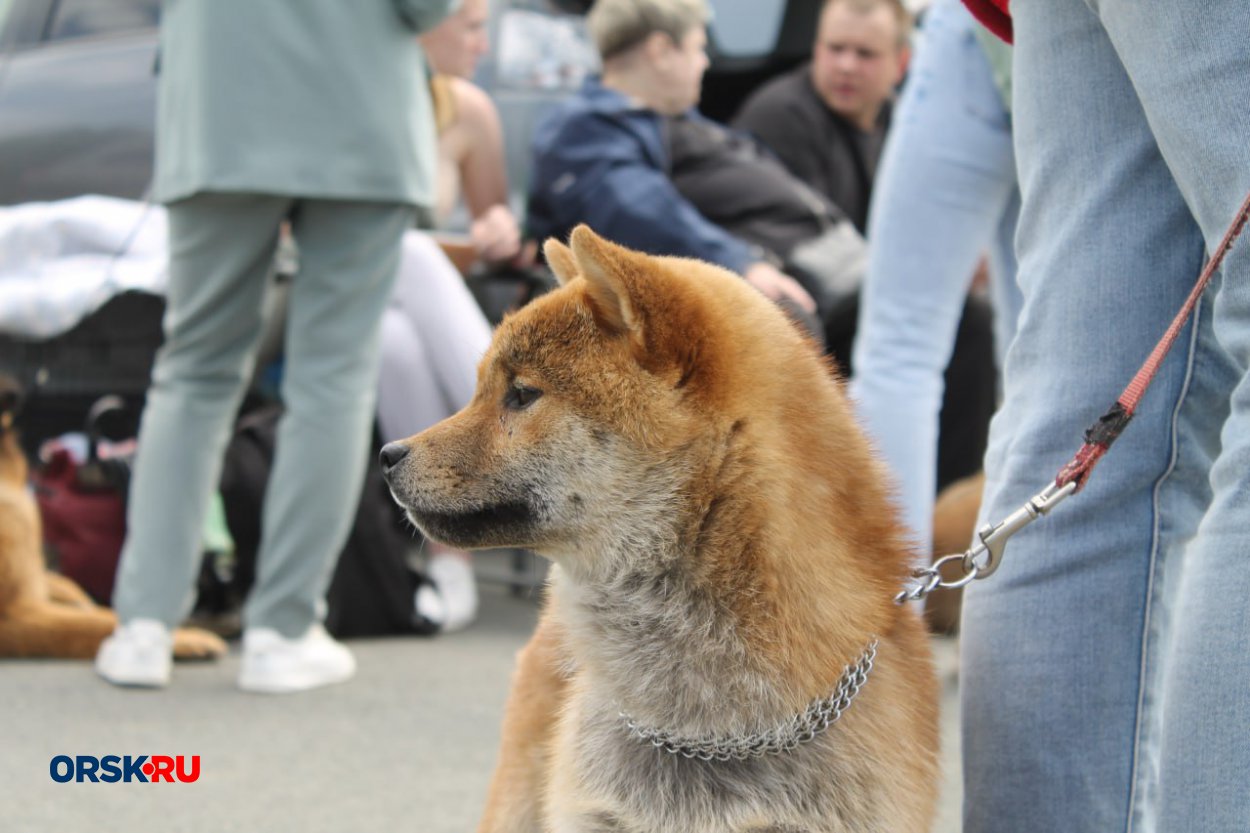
column 784, row 737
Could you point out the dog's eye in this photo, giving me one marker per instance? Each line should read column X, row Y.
column 520, row 397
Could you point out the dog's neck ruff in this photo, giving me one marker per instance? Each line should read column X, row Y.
column 783, row 737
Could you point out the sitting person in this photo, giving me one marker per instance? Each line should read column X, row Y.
column 631, row 157
column 827, row 120
column 433, row 331
column 471, row 165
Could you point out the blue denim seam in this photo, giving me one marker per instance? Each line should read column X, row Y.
column 1174, row 443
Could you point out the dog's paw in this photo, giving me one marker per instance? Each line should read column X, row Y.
column 197, row 644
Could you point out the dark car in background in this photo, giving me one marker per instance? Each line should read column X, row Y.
column 76, row 98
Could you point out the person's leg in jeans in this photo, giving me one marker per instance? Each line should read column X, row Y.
column 349, row 253
column 1005, row 295
column 947, row 176
column 1103, row 672
column 221, row 247
column 1191, row 68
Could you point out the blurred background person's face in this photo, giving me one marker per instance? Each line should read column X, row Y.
column 680, row 67
column 857, row 60
column 455, row 45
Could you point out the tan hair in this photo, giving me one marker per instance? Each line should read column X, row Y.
column 444, row 100
column 901, row 16
column 619, row 25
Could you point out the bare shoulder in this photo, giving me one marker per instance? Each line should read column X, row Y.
column 474, row 106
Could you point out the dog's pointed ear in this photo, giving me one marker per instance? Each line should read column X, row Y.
column 610, row 280
column 560, row 260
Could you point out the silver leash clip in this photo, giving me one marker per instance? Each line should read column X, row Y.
column 983, row 558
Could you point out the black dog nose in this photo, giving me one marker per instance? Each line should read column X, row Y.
column 392, row 454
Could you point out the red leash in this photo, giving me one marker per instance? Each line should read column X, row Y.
column 1104, row 432
column 984, row 557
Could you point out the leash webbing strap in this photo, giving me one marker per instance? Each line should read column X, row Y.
column 1103, row 433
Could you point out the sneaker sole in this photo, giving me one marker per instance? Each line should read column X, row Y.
column 135, row 680
column 262, row 685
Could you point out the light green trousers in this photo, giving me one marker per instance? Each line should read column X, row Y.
column 221, row 246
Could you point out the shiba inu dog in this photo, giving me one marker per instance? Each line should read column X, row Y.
column 719, row 651
column 43, row 614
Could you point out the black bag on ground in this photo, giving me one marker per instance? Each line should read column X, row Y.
column 372, row 591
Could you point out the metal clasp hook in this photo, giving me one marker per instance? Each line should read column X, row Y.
column 993, row 538
column 983, row 558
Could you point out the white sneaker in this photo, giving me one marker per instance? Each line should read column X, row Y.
column 430, row 610
column 452, row 576
column 273, row 664
column 139, row 653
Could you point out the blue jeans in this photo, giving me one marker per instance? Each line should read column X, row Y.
column 945, row 193
column 1106, row 670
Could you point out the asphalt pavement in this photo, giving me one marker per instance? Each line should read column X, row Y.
column 407, row 745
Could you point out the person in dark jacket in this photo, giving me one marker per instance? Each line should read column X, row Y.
column 827, row 119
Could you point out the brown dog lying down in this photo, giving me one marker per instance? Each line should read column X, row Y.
column 725, row 555
column 43, row 614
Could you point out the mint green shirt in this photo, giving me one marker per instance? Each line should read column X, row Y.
column 307, row 98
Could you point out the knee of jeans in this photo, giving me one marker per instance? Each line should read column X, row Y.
column 347, row 391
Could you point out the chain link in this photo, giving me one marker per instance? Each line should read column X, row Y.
column 928, row 579
column 784, row 737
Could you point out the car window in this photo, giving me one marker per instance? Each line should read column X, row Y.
column 89, row 18
column 540, row 47
column 746, row 28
